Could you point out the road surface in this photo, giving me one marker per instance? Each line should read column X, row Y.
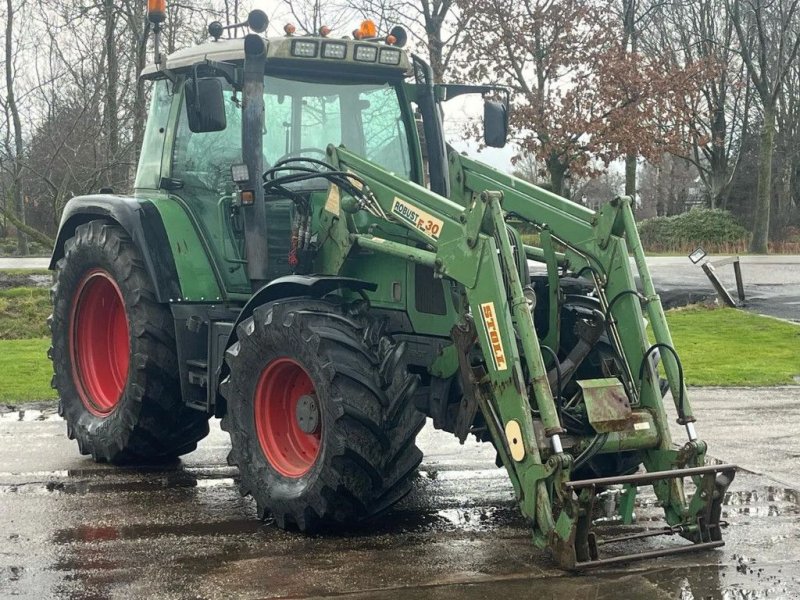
column 70, row 528
column 772, row 283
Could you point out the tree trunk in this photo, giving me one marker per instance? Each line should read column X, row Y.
column 29, row 231
column 17, row 192
column 785, row 192
column 557, row 172
column 761, row 222
column 115, row 177
column 433, row 31
column 630, row 177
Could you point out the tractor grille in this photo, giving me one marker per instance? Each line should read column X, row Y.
column 428, row 292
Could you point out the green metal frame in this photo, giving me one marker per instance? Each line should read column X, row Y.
column 465, row 239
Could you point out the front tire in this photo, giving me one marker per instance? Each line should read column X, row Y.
column 114, row 356
column 320, row 414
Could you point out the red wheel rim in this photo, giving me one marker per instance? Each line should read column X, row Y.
column 99, row 342
column 290, row 450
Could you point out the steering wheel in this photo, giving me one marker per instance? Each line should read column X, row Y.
column 297, row 154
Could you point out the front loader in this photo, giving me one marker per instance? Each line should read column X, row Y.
column 306, row 258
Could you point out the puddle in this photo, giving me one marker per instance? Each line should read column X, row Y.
column 92, row 533
column 8, row 414
column 118, row 480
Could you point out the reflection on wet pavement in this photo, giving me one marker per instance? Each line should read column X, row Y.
column 71, row 528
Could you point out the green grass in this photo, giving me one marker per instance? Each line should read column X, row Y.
column 729, row 347
column 26, row 371
column 23, row 313
column 24, row 272
column 725, row 347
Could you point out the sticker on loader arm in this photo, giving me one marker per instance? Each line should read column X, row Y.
column 490, row 323
column 424, row 222
column 333, row 202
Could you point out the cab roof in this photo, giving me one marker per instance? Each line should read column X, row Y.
column 281, row 49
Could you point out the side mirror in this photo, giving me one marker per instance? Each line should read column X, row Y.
column 495, row 123
column 205, row 105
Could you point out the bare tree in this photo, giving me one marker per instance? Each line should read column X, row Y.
column 788, row 143
column 438, row 26
column 15, row 152
column 701, row 31
column 768, row 32
column 311, row 15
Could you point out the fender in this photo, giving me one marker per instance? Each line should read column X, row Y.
column 292, row 286
column 289, row 286
column 141, row 220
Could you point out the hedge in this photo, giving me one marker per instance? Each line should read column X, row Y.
column 713, row 229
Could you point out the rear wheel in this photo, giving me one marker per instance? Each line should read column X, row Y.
column 320, row 414
column 114, row 356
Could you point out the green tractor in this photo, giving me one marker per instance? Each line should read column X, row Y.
column 304, row 257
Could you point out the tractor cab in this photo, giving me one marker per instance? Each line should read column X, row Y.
column 307, row 93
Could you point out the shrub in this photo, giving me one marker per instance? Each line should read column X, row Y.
column 716, row 230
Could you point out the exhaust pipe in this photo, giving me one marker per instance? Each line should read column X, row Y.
column 255, row 215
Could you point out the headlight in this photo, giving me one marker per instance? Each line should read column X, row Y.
column 334, row 50
column 304, row 48
column 390, row 57
column 366, row 53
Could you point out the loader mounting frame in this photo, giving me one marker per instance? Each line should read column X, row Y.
column 465, row 239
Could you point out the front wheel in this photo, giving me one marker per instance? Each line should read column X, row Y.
column 114, row 356
column 320, row 414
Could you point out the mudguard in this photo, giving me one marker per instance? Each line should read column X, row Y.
column 289, row 286
column 141, row 220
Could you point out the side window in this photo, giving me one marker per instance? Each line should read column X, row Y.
column 148, row 175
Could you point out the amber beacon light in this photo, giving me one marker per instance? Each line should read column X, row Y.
column 156, row 11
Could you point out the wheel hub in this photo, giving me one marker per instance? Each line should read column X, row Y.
column 99, row 342
column 307, row 414
column 287, row 417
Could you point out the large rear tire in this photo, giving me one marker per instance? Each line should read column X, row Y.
column 320, row 414
column 114, row 356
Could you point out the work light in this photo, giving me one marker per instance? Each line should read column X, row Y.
column 366, row 53
column 304, row 48
column 334, row 50
column 240, row 174
column 390, row 57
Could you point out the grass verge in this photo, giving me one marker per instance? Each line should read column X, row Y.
column 730, row 347
column 724, row 347
column 25, row 272
column 24, row 312
column 26, row 371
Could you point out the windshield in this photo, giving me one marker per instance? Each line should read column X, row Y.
column 301, row 119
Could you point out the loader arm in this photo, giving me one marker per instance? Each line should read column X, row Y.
column 465, row 239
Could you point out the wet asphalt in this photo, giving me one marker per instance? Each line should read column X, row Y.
column 771, row 283
column 70, row 528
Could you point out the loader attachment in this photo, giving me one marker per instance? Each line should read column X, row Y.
column 525, row 389
column 701, row 527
